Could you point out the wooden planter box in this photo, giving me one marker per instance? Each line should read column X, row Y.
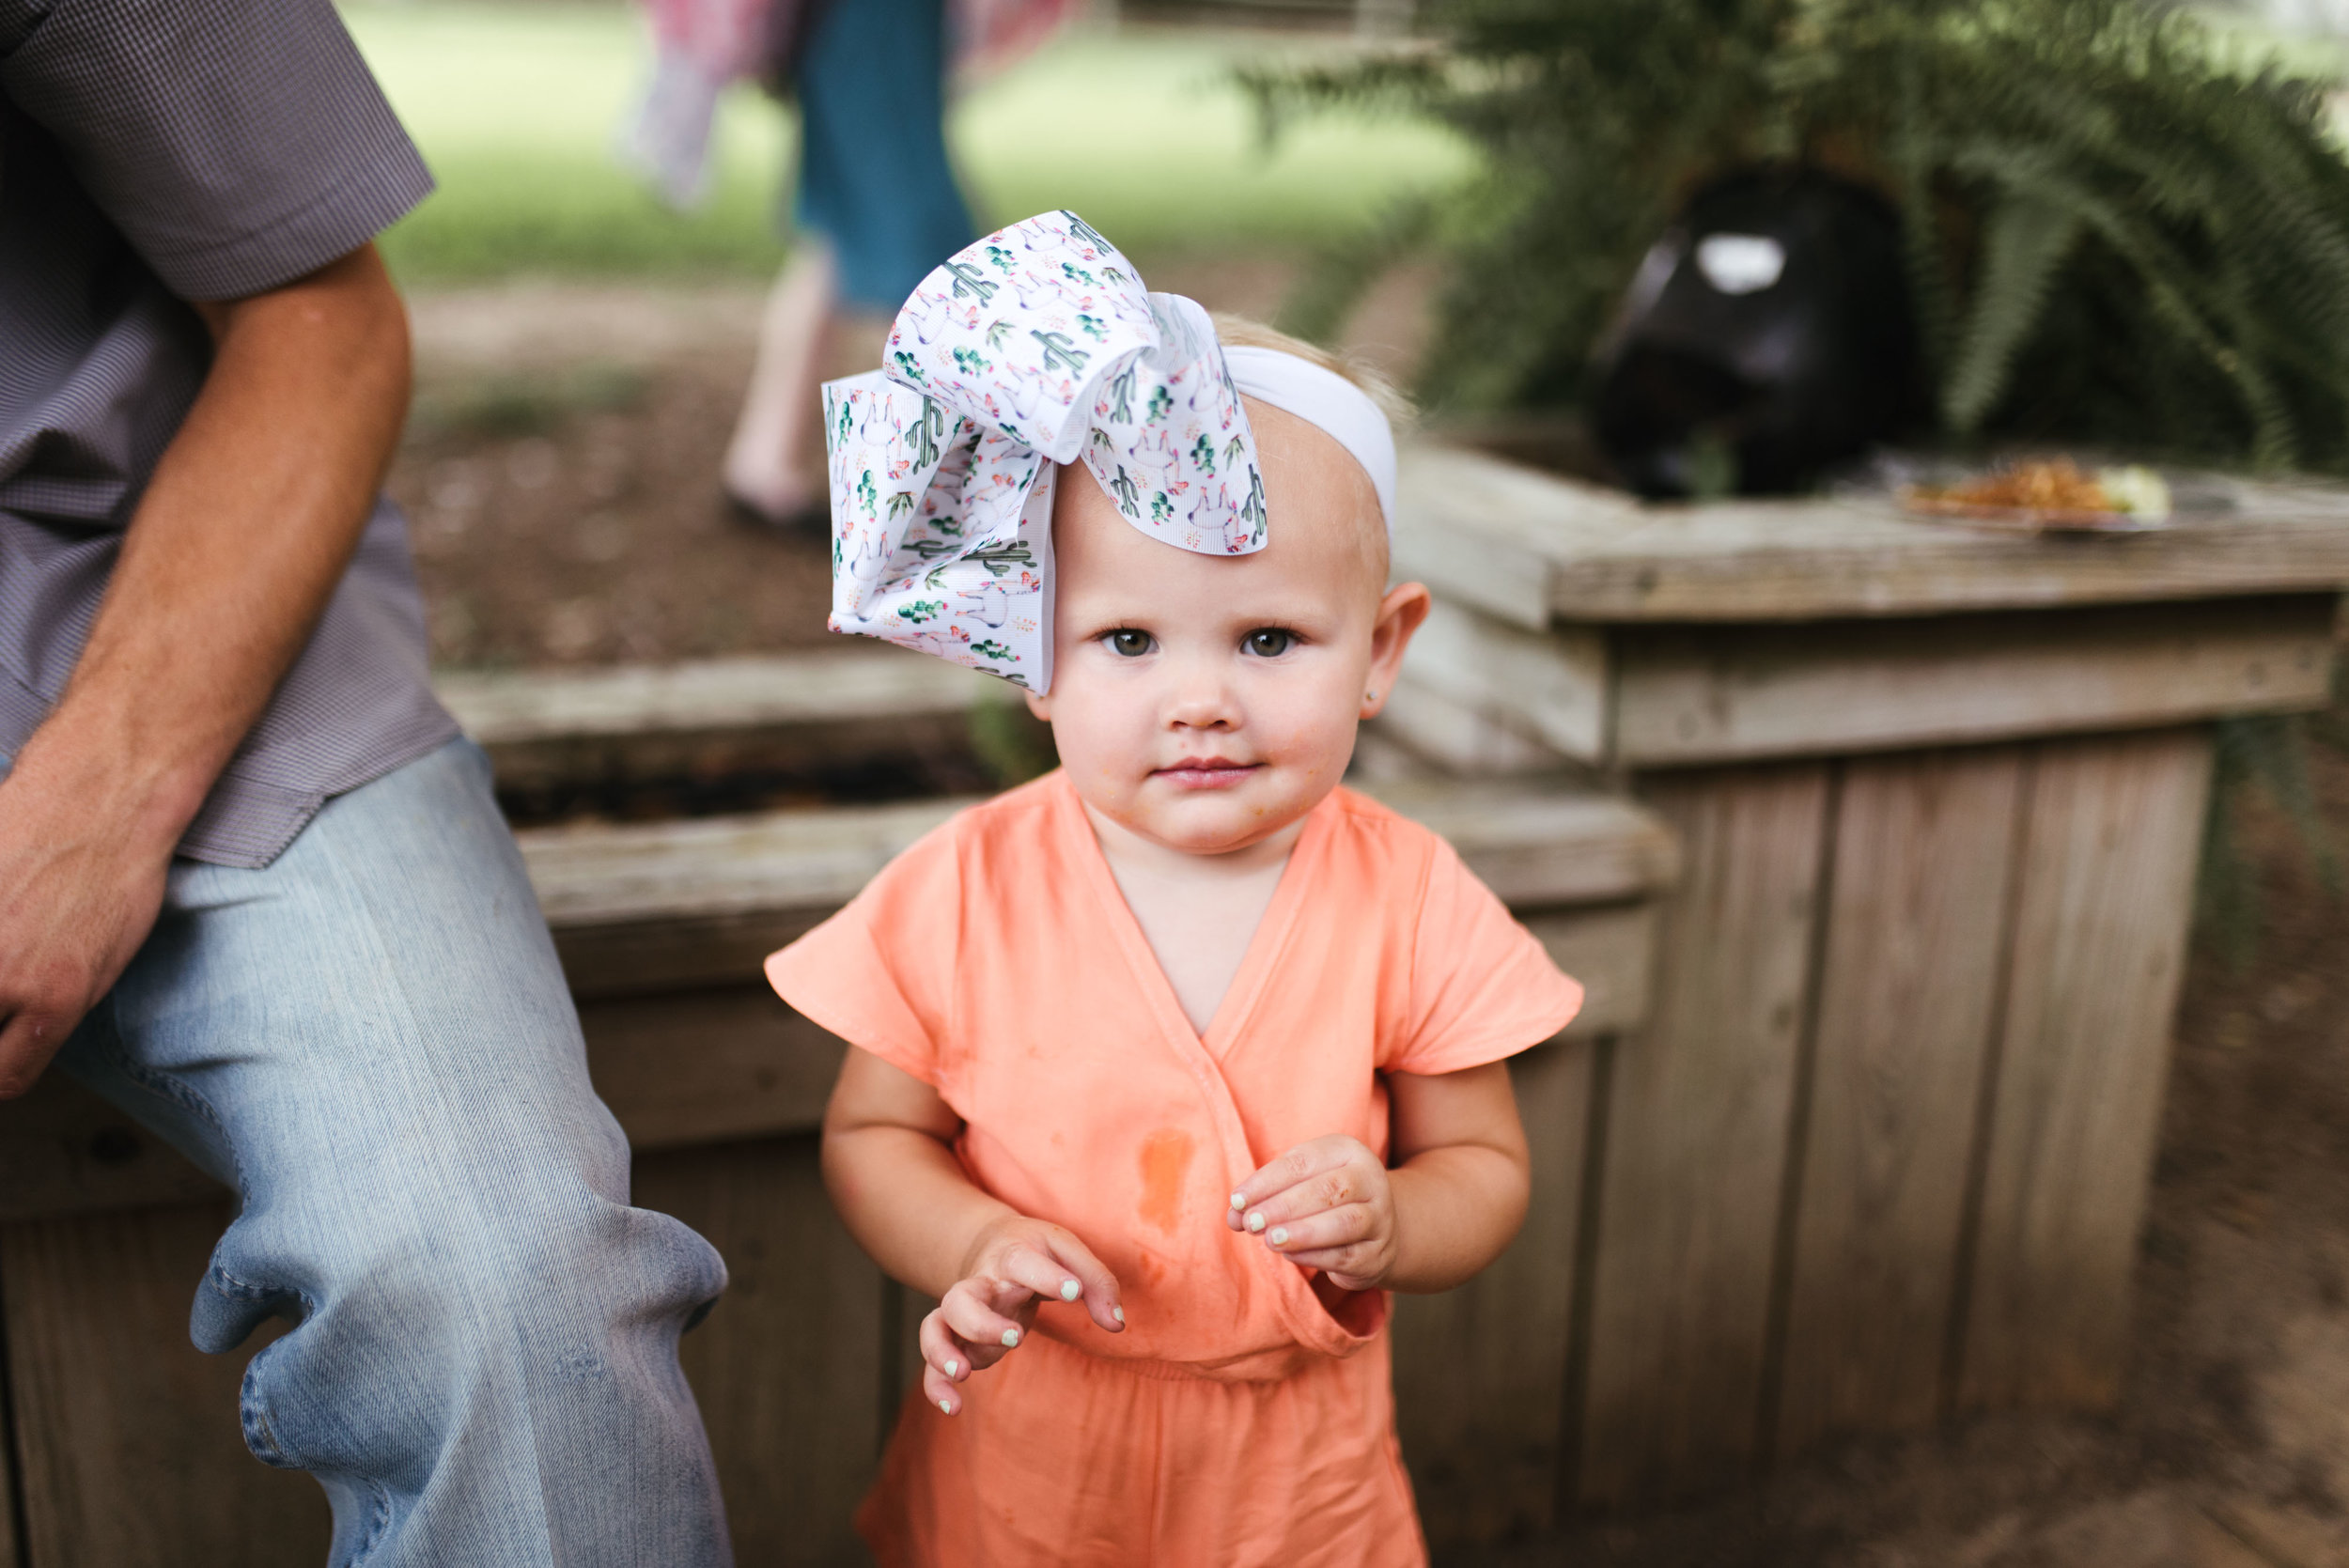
column 1880, row 1153
column 126, row 1438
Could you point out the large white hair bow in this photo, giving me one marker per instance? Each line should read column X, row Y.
column 1034, row 346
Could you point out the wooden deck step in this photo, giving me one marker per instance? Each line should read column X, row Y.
column 661, row 928
column 779, row 713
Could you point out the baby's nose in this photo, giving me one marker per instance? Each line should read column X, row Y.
column 1205, row 705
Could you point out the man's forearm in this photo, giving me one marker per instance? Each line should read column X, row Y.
column 243, row 533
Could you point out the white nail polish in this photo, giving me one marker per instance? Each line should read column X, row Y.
column 952, row 1367
column 1070, row 1290
column 947, row 1405
column 1279, row 1236
column 1118, row 1312
column 1011, row 1338
column 1255, row 1221
column 1239, row 1199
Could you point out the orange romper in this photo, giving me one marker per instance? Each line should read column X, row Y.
column 1245, row 1414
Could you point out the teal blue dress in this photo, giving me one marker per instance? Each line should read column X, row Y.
column 874, row 175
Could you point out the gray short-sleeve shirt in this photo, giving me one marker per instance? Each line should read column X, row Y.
column 151, row 152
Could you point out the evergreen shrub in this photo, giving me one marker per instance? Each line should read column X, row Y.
column 2114, row 235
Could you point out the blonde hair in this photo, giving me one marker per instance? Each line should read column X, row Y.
column 1241, row 331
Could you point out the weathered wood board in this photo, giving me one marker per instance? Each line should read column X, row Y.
column 663, row 905
column 1527, row 547
column 788, row 1367
column 1537, row 846
column 1554, row 686
column 65, row 1151
column 1914, row 945
column 706, row 1066
column 128, row 1437
column 1610, row 949
column 1489, row 698
column 1695, row 695
column 2109, row 857
column 1480, row 1373
column 715, row 716
column 1438, row 728
column 1697, row 1139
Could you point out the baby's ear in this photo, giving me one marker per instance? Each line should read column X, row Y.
column 1039, row 704
column 1401, row 611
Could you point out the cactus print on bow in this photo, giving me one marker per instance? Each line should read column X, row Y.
column 1034, row 346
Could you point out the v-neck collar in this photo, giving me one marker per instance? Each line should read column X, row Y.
column 1203, row 1057
column 1256, row 965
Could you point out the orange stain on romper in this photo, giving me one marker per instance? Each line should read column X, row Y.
column 1165, row 1161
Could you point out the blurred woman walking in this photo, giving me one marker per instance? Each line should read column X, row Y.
column 875, row 205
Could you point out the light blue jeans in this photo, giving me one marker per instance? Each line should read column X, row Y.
column 370, row 1040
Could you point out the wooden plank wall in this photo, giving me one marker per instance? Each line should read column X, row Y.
column 1882, row 1152
column 128, row 1443
column 1696, row 1139
column 2099, row 943
column 1908, row 987
column 788, row 1365
column 1481, row 1372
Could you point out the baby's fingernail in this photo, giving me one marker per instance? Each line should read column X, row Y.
column 1118, row 1312
column 947, row 1405
column 1070, row 1290
column 952, row 1367
column 1239, row 1199
column 1279, row 1236
column 1011, row 1338
column 1255, row 1221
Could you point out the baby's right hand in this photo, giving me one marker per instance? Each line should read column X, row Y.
column 1017, row 1265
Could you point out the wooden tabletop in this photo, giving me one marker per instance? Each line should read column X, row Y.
column 1536, row 549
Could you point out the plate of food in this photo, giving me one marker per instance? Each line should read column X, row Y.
column 2050, row 496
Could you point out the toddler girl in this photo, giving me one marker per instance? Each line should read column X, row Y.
column 1166, row 1066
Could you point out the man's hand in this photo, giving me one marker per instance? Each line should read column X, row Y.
column 77, row 897
column 239, row 537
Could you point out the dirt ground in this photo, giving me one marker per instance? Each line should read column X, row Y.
column 560, row 475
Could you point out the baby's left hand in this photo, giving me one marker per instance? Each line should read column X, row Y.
column 1324, row 1204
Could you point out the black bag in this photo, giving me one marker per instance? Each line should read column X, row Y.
column 1767, row 338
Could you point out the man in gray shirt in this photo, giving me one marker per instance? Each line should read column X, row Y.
column 253, row 886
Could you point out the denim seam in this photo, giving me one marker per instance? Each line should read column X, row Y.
column 261, row 1439
column 245, row 1290
column 258, row 1435
column 378, row 1522
column 188, row 1099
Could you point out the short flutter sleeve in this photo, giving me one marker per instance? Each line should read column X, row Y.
column 879, row 973
column 1482, row 987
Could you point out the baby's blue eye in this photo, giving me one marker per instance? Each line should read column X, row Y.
column 1269, row 642
column 1128, row 644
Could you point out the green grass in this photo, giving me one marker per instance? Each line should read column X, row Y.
column 517, row 105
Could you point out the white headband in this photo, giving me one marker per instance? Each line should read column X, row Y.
column 1033, row 347
column 1329, row 402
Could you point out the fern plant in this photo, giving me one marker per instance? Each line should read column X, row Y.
column 2113, row 236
